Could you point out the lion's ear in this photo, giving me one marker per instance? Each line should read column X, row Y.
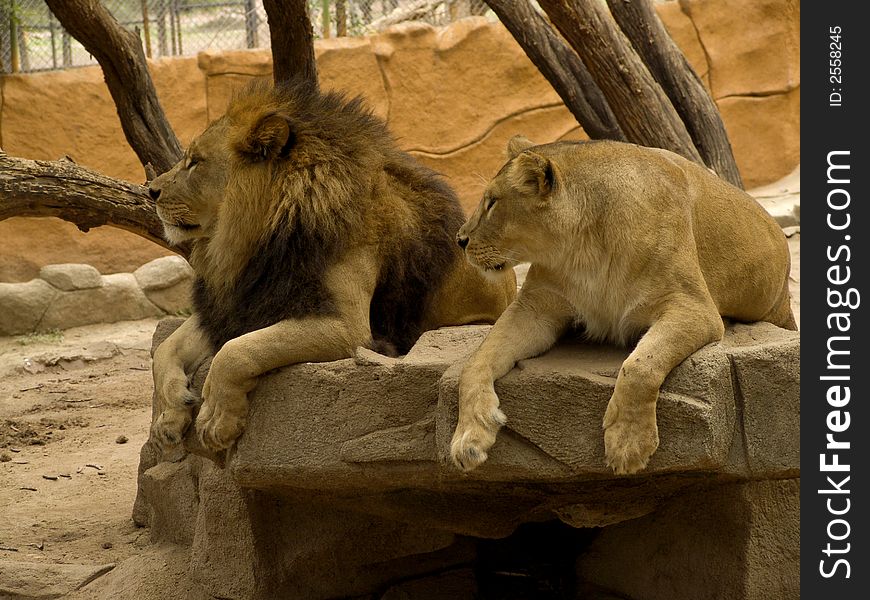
column 517, row 144
column 532, row 173
column 269, row 138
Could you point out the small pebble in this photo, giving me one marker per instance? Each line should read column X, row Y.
column 5, row 457
column 50, row 477
column 107, row 545
column 121, row 439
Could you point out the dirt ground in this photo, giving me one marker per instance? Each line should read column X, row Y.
column 74, row 412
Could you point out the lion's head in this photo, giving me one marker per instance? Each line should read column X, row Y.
column 189, row 195
column 509, row 225
column 277, row 154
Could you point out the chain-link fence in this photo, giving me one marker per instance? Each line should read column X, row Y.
column 31, row 38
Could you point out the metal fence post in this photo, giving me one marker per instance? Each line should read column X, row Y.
column 251, row 24
column 146, row 28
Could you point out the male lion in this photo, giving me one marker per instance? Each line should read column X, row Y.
column 311, row 234
column 630, row 242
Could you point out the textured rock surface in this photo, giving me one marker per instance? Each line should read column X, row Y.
column 452, row 96
column 24, row 304
column 162, row 273
column 69, row 277
column 735, row 541
column 70, row 295
column 753, row 46
column 167, row 283
column 356, row 451
column 117, row 299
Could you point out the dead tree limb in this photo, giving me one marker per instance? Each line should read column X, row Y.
column 641, row 23
column 643, row 110
column 38, row 188
column 561, row 66
column 120, row 55
column 292, row 41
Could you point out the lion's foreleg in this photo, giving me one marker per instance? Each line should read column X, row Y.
column 630, row 430
column 236, row 368
column 240, row 362
column 528, row 327
column 176, row 358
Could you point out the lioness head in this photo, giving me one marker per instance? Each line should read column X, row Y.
column 509, row 225
column 233, row 157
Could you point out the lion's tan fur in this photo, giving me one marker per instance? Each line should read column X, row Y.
column 631, row 243
column 316, row 181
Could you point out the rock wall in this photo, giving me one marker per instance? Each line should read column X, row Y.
column 71, row 295
column 341, row 486
column 451, row 96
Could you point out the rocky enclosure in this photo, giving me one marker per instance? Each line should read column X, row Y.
column 71, row 295
column 340, row 485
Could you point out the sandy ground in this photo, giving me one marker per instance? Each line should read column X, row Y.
column 74, row 412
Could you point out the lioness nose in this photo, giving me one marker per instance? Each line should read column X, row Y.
column 154, row 193
column 462, row 240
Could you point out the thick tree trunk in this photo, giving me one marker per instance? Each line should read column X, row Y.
column 642, row 108
column 37, row 188
column 292, row 41
column 561, row 66
column 641, row 23
column 120, row 55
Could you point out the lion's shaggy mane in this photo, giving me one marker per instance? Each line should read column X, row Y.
column 322, row 197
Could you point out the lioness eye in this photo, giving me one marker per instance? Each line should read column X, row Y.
column 490, row 203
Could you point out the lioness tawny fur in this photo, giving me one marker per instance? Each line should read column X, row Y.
column 632, row 243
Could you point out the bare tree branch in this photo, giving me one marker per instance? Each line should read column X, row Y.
column 641, row 23
column 561, row 66
column 292, row 41
column 37, row 188
column 120, row 55
column 644, row 111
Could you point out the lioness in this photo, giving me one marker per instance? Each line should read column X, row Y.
column 312, row 234
column 630, row 242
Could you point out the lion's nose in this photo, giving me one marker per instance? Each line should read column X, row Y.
column 154, row 193
column 462, row 240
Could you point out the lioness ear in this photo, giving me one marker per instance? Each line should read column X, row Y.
column 269, row 138
column 532, row 173
column 517, row 144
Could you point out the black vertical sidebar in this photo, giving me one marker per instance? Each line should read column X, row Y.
column 835, row 301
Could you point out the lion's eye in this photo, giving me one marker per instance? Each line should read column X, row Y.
column 490, row 203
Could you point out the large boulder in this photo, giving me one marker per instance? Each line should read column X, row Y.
column 340, row 457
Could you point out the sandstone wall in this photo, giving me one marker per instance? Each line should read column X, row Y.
column 452, row 97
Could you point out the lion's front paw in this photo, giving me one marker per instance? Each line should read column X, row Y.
column 479, row 422
column 630, row 437
column 222, row 417
column 167, row 430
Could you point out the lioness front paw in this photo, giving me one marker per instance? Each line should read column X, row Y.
column 630, row 437
column 479, row 422
column 222, row 417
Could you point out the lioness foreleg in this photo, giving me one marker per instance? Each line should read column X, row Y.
column 236, row 368
column 630, row 430
column 179, row 355
column 528, row 327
